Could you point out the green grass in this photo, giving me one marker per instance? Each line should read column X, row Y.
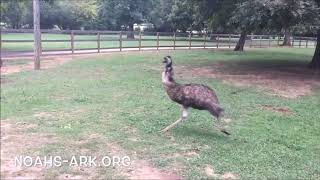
column 111, row 42
column 114, row 95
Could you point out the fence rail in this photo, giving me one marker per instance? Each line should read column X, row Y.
column 73, row 40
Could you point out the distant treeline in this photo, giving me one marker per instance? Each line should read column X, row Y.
column 299, row 17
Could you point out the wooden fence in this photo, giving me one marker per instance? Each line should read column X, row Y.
column 73, row 40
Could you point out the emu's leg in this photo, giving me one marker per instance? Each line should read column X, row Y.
column 218, row 125
column 222, row 129
column 183, row 117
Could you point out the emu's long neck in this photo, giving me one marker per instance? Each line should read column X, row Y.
column 167, row 79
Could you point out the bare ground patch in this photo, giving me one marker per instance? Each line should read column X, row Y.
column 52, row 61
column 15, row 142
column 290, row 81
column 282, row 110
column 46, row 63
column 10, row 66
column 209, row 171
column 138, row 168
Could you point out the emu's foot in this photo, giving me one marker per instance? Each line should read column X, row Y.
column 163, row 131
column 225, row 132
column 222, row 129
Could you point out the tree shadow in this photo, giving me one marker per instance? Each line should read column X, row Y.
column 289, row 78
column 202, row 133
column 292, row 67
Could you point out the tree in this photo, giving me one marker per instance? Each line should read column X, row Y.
column 13, row 12
column 315, row 63
column 173, row 15
column 159, row 15
column 288, row 13
column 114, row 14
column 181, row 16
column 263, row 15
column 66, row 15
column 74, row 15
column 249, row 15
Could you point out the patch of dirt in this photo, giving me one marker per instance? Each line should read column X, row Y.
column 14, row 142
column 69, row 176
column 148, row 172
column 209, row 171
column 45, row 64
column 51, row 61
column 41, row 115
column 187, row 155
column 138, row 168
column 286, row 81
column 279, row 110
column 229, row 175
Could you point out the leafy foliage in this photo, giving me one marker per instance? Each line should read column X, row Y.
column 113, row 14
column 168, row 15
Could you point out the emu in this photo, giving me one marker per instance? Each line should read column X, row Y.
column 196, row 96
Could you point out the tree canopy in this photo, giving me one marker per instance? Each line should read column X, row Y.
column 168, row 15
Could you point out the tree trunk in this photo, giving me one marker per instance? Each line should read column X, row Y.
column 287, row 35
column 241, row 42
column 315, row 63
column 130, row 33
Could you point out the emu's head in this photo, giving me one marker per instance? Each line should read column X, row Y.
column 168, row 62
column 167, row 75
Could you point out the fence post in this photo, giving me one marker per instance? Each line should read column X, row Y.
column 218, row 38
column 205, row 40
column 190, row 40
column 251, row 40
column 269, row 41
column 229, row 40
column 120, row 41
column 98, row 42
column 300, row 42
column 174, row 40
column 292, row 41
column 260, row 41
column 72, row 41
column 278, row 40
column 140, row 41
column 307, row 43
column 157, row 40
column 37, row 35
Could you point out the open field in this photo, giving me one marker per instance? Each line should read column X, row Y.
column 115, row 105
column 112, row 41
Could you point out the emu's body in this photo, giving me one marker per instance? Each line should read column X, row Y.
column 196, row 96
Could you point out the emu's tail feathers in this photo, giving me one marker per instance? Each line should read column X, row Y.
column 216, row 110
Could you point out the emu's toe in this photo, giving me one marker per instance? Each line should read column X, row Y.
column 225, row 132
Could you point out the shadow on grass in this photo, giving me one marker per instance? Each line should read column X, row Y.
column 202, row 133
column 292, row 67
column 282, row 74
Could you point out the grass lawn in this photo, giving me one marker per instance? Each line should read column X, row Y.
column 112, row 42
column 120, row 99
